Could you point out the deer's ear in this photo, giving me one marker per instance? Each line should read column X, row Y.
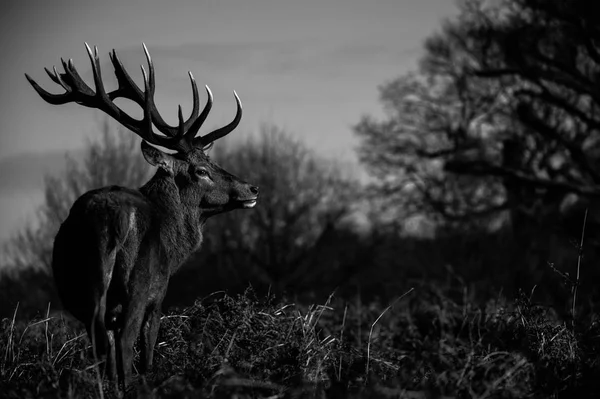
column 156, row 157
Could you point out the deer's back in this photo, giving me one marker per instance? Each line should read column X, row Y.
column 105, row 227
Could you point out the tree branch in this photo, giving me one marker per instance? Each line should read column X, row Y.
column 484, row 169
column 577, row 154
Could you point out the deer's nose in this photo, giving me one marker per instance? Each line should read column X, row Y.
column 254, row 190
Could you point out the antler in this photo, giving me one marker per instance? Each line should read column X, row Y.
column 180, row 138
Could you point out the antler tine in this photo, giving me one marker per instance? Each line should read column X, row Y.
column 150, row 68
column 193, row 129
column 78, row 86
column 147, row 120
column 53, row 74
column 56, row 78
column 54, row 99
column 157, row 118
column 195, row 102
column 181, row 128
column 147, row 132
column 217, row 134
column 127, row 87
column 150, row 88
column 60, row 80
column 95, row 61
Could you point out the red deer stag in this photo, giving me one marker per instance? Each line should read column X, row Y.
column 116, row 250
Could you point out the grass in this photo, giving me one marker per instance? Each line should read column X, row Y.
column 424, row 344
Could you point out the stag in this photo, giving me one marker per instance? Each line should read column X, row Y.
column 114, row 254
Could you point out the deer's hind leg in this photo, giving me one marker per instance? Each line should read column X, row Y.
column 148, row 336
column 126, row 336
column 102, row 340
column 96, row 329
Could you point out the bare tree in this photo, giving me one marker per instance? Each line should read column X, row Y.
column 307, row 201
column 112, row 159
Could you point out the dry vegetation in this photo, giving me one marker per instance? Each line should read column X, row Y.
column 425, row 344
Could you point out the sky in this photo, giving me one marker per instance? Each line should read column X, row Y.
column 312, row 67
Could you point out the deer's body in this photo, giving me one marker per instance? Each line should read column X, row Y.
column 114, row 254
column 116, row 250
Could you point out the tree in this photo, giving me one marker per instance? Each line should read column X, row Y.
column 304, row 205
column 551, row 48
column 114, row 158
column 502, row 113
column 431, row 116
column 499, row 123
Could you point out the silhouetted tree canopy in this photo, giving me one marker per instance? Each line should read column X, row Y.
column 502, row 113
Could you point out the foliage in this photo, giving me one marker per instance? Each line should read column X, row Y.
column 501, row 114
column 426, row 344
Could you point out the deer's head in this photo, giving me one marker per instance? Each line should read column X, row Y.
column 201, row 183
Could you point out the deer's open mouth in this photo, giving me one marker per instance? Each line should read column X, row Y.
column 249, row 203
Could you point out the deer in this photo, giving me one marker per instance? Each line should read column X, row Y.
column 116, row 250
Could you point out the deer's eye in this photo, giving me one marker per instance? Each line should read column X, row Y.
column 202, row 173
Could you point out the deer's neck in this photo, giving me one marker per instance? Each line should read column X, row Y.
column 178, row 225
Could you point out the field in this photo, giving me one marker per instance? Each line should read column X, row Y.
column 443, row 258
column 431, row 342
